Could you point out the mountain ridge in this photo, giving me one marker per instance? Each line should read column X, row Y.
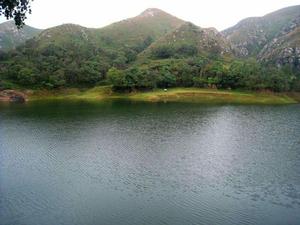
column 156, row 49
column 11, row 36
column 251, row 34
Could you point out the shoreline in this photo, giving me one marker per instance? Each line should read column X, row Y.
column 189, row 95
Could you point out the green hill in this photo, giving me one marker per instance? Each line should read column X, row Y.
column 156, row 49
column 139, row 32
column 72, row 54
column 135, row 33
column 11, row 36
column 189, row 40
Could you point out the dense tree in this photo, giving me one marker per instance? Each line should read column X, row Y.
column 116, row 77
column 163, row 52
column 15, row 9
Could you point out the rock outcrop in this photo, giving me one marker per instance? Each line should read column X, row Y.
column 271, row 39
column 284, row 49
column 12, row 96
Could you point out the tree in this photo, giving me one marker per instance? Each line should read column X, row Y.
column 166, row 79
column 15, row 9
column 162, row 52
column 26, row 76
column 116, row 77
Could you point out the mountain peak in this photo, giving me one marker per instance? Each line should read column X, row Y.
column 150, row 12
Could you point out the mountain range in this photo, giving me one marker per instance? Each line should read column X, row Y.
column 272, row 38
column 70, row 50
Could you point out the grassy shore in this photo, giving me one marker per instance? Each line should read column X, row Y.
column 208, row 96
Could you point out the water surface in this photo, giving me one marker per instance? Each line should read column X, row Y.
column 133, row 163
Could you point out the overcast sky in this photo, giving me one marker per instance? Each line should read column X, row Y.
column 98, row 13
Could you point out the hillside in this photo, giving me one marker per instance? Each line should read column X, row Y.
column 122, row 41
column 252, row 34
column 72, row 54
column 158, row 50
column 189, row 40
column 140, row 31
column 60, row 35
column 11, row 36
column 284, row 49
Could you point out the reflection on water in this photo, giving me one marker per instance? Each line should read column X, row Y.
column 133, row 163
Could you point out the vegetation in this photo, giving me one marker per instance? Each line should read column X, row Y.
column 204, row 73
column 252, row 34
column 15, row 9
column 80, row 70
column 11, row 36
column 192, row 95
column 151, row 51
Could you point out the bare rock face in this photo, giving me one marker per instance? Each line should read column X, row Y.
column 262, row 36
column 284, row 49
column 12, row 96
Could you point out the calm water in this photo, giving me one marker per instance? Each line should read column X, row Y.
column 139, row 164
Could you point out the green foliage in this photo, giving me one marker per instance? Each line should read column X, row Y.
column 202, row 72
column 116, row 77
column 26, row 76
column 15, row 9
column 139, row 54
column 163, row 52
column 166, row 78
column 7, row 85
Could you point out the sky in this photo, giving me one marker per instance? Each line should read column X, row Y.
column 98, row 13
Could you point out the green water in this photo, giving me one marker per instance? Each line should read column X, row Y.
column 135, row 163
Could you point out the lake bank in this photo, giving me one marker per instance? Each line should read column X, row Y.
column 190, row 95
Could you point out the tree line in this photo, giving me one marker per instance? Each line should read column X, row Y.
column 85, row 65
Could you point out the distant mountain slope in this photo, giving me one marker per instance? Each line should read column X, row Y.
column 189, row 40
column 140, row 31
column 11, row 36
column 116, row 45
column 252, row 34
column 158, row 49
column 284, row 49
column 74, row 54
column 137, row 32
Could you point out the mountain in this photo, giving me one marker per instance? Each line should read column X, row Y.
column 140, row 31
column 189, row 40
column 156, row 49
column 74, row 54
column 135, row 33
column 252, row 34
column 120, row 41
column 11, row 36
column 284, row 49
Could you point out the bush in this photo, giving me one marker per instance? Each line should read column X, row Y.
column 162, row 52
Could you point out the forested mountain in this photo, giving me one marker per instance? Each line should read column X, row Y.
column 11, row 36
column 139, row 32
column 189, row 40
column 156, row 49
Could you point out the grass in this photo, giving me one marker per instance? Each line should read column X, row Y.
column 196, row 95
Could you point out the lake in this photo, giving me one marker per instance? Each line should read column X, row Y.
column 86, row 163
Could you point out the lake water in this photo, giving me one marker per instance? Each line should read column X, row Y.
column 138, row 164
